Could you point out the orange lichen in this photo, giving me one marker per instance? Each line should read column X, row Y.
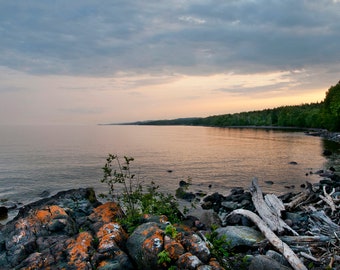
column 214, row 264
column 102, row 264
column 163, row 219
column 45, row 215
column 107, row 212
column 78, row 250
column 154, row 242
column 174, row 248
column 112, row 231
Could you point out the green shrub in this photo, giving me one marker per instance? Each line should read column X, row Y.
column 136, row 199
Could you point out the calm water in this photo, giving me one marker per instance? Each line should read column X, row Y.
column 53, row 158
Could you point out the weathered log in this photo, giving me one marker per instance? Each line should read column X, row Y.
column 301, row 197
column 297, row 200
column 305, row 239
column 309, row 257
column 269, row 215
column 282, row 247
column 320, row 223
column 328, row 199
column 306, row 243
column 275, row 204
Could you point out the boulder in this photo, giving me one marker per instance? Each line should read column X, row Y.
column 277, row 257
column 240, row 236
column 181, row 193
column 46, row 234
column 188, row 261
column 262, row 262
column 144, row 244
column 196, row 246
column 213, row 201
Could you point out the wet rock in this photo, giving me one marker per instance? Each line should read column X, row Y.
column 327, row 153
column 3, row 212
column 200, row 193
column 181, row 193
column 10, row 205
column 268, row 182
column 213, row 201
column 240, row 235
column 183, row 183
column 45, row 194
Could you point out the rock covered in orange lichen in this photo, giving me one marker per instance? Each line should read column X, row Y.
column 38, row 260
column 110, row 236
column 145, row 243
column 106, row 213
column 50, row 212
column 79, row 251
column 188, row 261
column 215, row 265
column 173, row 247
column 118, row 260
column 55, row 219
column 46, row 236
column 195, row 244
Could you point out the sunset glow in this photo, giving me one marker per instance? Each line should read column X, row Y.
column 141, row 61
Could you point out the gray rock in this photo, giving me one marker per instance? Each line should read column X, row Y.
column 209, row 218
column 277, row 257
column 196, row 246
column 144, row 244
column 230, row 205
column 240, row 235
column 295, row 217
column 262, row 262
column 188, row 261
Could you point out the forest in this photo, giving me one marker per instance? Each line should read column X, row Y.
column 323, row 115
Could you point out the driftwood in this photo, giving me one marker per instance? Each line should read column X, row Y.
column 270, row 212
column 306, row 243
column 301, row 197
column 282, row 247
column 320, row 223
column 328, row 199
column 274, row 203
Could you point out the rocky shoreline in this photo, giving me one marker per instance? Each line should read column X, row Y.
column 73, row 230
column 332, row 136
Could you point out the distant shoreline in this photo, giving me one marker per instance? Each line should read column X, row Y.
column 317, row 132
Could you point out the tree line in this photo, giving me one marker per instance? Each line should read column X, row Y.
column 325, row 115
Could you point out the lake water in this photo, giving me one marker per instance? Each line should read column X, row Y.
column 34, row 159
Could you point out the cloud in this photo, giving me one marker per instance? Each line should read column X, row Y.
column 105, row 37
column 134, row 60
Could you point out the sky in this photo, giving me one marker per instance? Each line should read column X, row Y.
column 113, row 61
